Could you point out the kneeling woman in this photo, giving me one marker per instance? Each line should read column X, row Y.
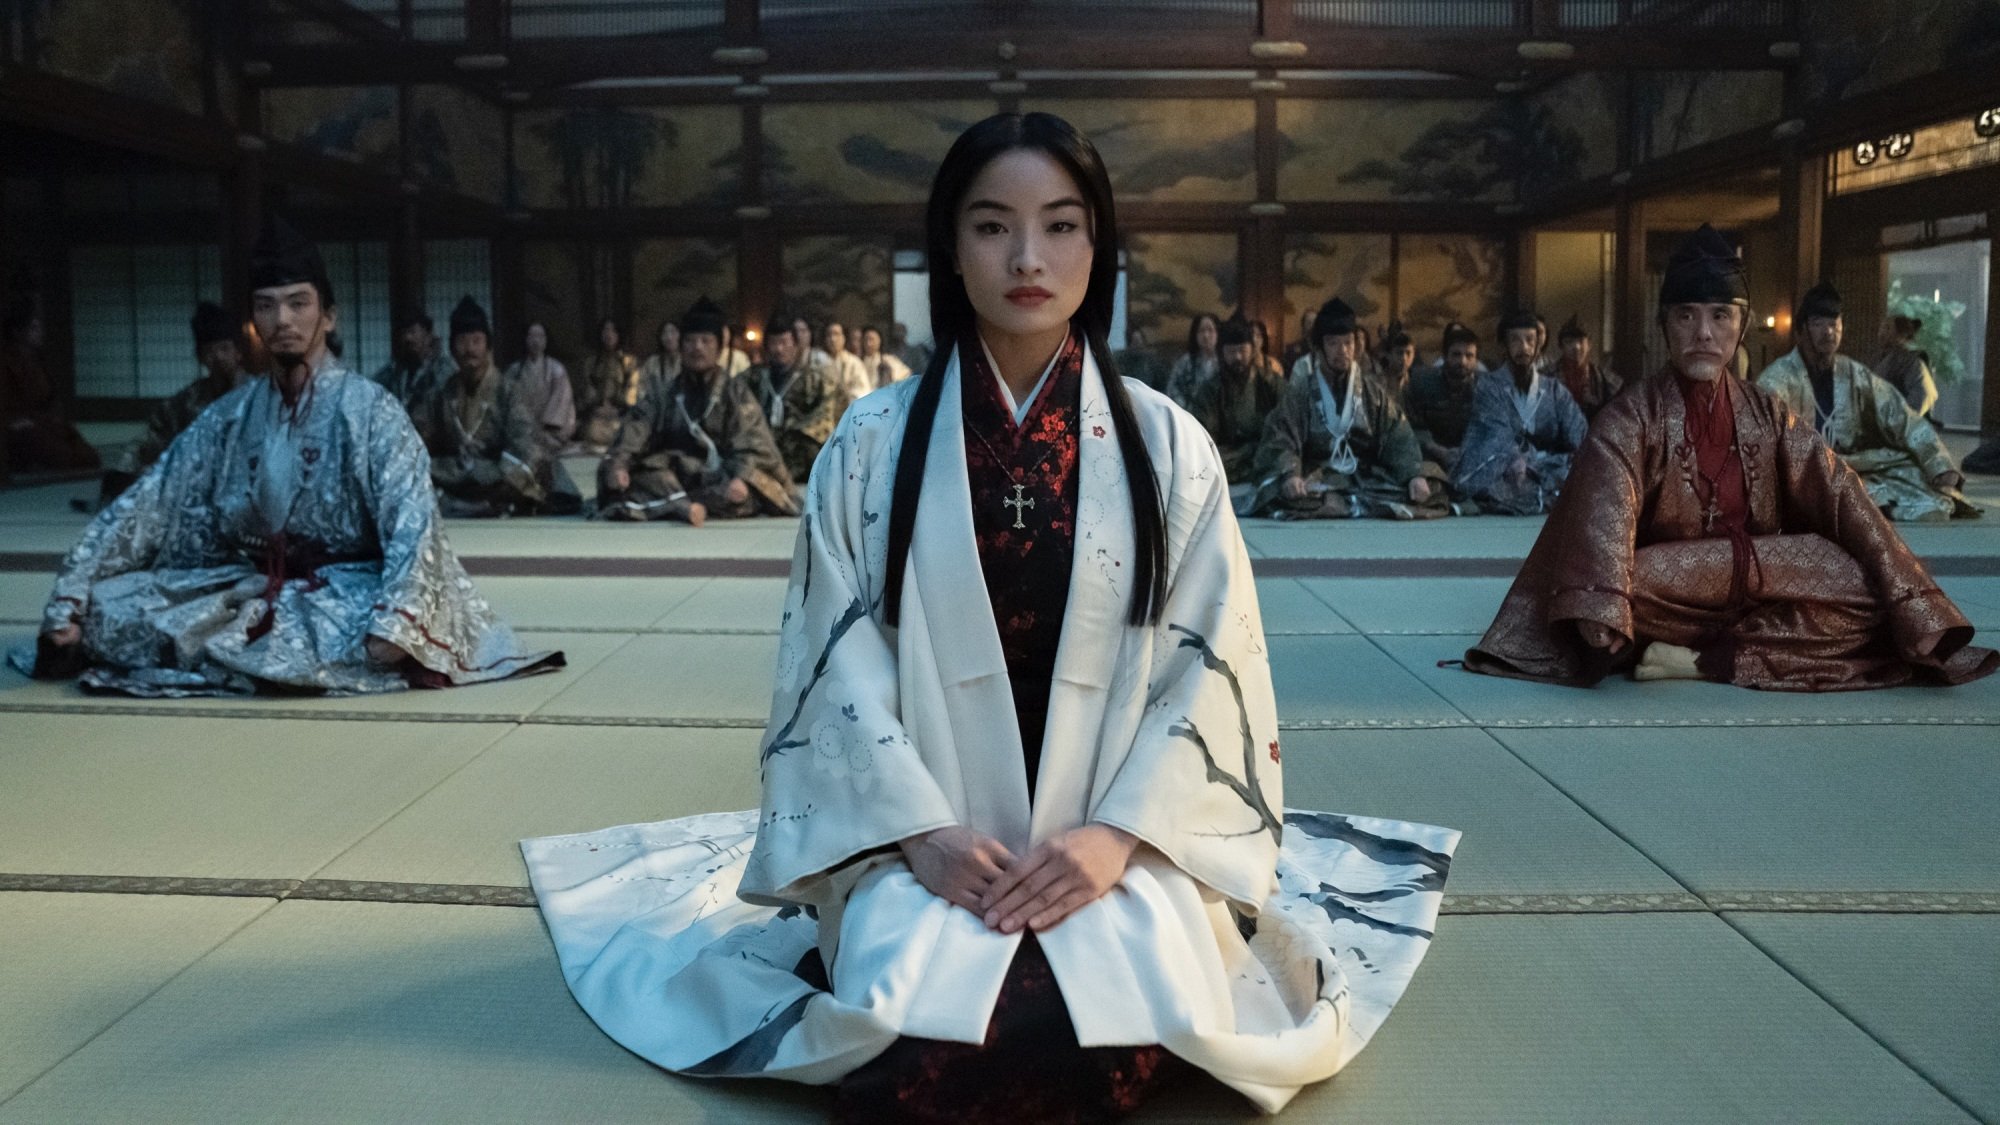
column 1019, row 852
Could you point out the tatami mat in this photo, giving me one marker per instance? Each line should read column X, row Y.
column 1834, row 808
column 216, row 798
column 1522, row 836
column 359, row 1012
column 1647, row 1019
column 1621, row 700
column 1347, row 679
column 1421, row 605
column 553, row 780
column 73, row 964
column 611, row 604
column 1927, row 986
column 504, row 699
column 1289, row 608
column 742, row 605
column 676, row 676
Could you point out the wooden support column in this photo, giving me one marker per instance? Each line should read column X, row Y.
column 1989, row 403
column 1274, row 19
column 406, row 259
column 1261, row 254
column 759, row 259
column 1801, row 209
column 1631, row 306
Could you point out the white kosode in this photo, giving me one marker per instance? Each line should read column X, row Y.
column 682, row 938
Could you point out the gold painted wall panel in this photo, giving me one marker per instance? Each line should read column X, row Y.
column 354, row 123
column 860, row 152
column 459, row 142
column 629, row 156
column 148, row 50
column 1169, row 278
column 841, row 278
column 1446, row 277
column 1359, row 150
column 671, row 274
column 1193, row 150
column 1357, row 268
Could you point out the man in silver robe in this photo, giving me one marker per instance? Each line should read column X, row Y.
column 1525, row 429
column 288, row 541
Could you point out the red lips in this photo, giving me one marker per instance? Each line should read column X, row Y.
column 1029, row 295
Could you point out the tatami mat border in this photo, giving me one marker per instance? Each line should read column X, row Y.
column 202, row 709
column 567, row 566
column 486, row 894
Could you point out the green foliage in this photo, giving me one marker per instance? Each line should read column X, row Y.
column 1934, row 339
column 603, row 152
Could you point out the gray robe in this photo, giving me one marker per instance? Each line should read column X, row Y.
column 1546, row 439
column 264, row 549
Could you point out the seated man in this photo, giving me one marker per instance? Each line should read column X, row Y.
column 1525, row 428
column 698, row 446
column 287, row 541
column 417, row 367
column 1589, row 382
column 1232, row 403
column 37, row 431
column 1439, row 401
column 1705, row 533
column 1338, row 446
column 490, row 453
column 1904, row 365
column 802, row 401
column 1909, row 472
column 217, row 349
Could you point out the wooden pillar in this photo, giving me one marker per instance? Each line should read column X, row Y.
column 759, row 260
column 1801, row 208
column 1989, row 403
column 1632, row 307
column 1261, row 254
column 406, row 259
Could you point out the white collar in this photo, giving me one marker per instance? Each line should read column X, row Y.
column 1020, row 410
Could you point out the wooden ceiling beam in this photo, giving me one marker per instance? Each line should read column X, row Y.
column 548, row 63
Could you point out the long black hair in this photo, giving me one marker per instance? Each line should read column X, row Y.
column 955, row 326
column 1194, row 331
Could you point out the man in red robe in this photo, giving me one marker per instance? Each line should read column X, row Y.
column 1706, row 533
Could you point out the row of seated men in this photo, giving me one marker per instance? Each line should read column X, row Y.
column 289, row 537
column 1341, row 437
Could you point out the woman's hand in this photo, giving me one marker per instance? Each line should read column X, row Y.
column 1063, row 875
column 956, row 863
column 66, row 636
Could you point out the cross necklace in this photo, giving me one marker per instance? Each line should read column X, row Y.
column 1019, row 504
column 1711, row 504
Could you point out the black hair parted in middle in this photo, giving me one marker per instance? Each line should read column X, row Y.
column 954, row 326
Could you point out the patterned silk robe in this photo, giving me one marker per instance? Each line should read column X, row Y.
column 1873, row 429
column 1499, row 435
column 267, row 545
column 1267, row 966
column 1832, row 599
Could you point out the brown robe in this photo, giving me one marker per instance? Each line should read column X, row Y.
column 1835, row 599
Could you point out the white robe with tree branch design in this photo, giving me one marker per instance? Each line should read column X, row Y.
column 681, row 938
